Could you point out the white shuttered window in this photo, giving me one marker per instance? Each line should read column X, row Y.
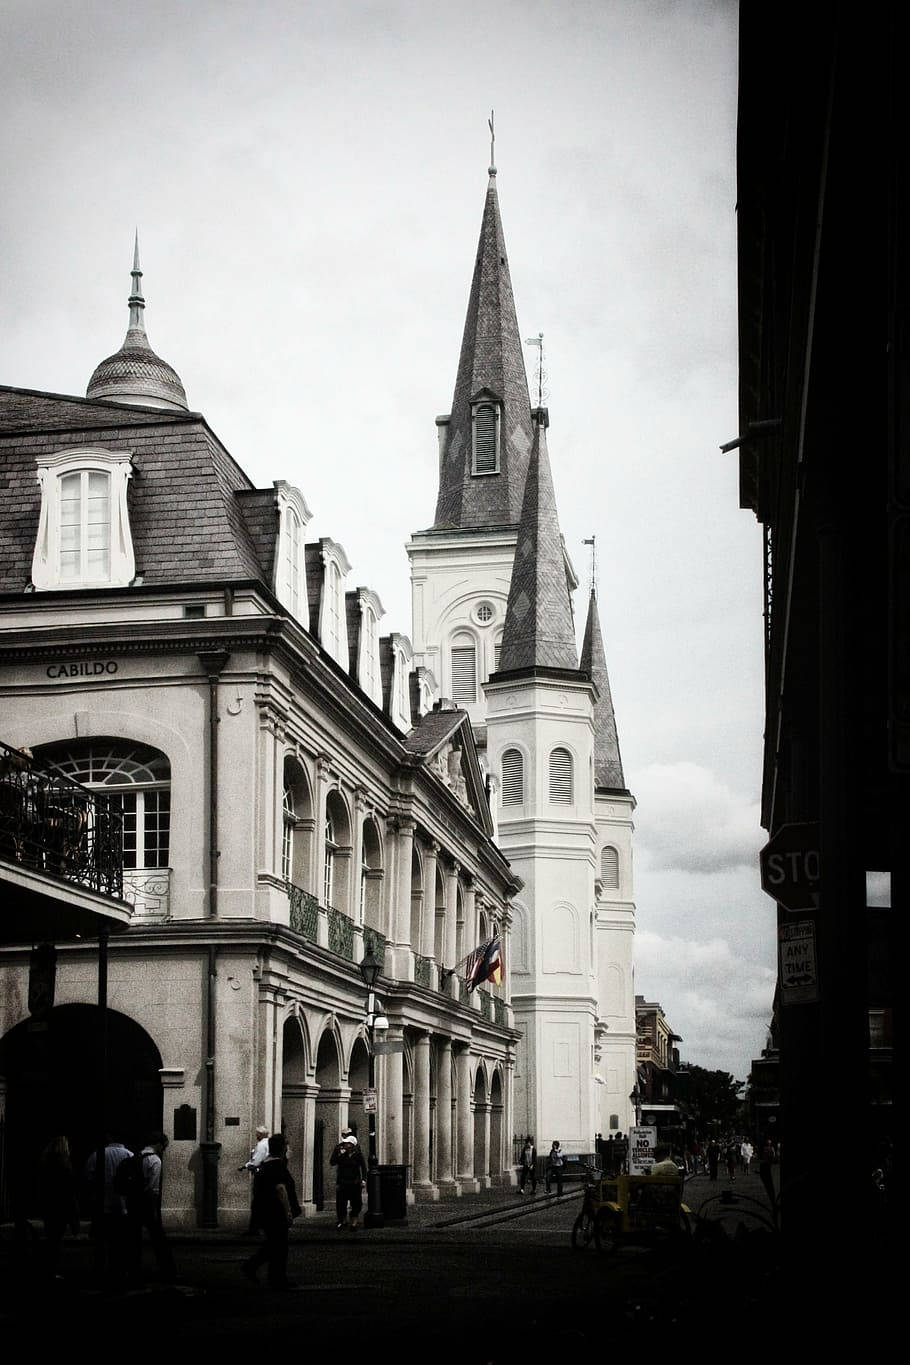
column 561, row 777
column 513, row 780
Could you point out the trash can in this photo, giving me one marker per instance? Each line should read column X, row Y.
column 393, row 1185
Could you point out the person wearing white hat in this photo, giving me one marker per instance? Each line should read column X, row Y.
column 351, row 1175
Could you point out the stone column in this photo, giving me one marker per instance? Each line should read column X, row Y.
column 445, row 1167
column 399, row 957
column 393, row 1101
column 452, row 872
column 423, row 1187
column 427, row 922
column 469, row 892
column 484, row 1172
column 464, row 1122
column 323, row 775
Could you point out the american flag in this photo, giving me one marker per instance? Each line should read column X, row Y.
column 484, row 964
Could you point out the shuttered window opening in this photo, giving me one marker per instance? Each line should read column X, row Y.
column 512, row 778
column 609, row 869
column 485, row 439
column 561, row 777
column 497, row 651
column 464, row 675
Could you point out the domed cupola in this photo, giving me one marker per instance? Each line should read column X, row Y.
column 134, row 374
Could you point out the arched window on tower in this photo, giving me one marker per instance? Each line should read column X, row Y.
column 561, row 777
column 288, row 822
column 513, row 780
column 609, row 869
column 464, row 670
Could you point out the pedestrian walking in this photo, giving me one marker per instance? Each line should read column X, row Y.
column 258, row 1154
column 732, row 1157
column 713, row 1157
column 58, row 1198
column 555, row 1167
column 528, row 1167
column 142, row 1188
column 275, row 1208
column 351, row 1179
column 108, row 1212
column 620, row 1153
column 746, row 1153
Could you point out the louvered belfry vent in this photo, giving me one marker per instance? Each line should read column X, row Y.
column 512, row 778
column 561, row 777
column 485, row 439
column 609, row 869
column 464, row 675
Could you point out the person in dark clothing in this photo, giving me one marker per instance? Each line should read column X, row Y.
column 351, row 1176
column 528, row 1167
column 713, row 1155
column 555, row 1165
column 765, row 1161
column 143, row 1210
column 275, row 1207
column 58, row 1197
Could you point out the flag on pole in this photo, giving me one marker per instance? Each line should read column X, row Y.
column 484, row 964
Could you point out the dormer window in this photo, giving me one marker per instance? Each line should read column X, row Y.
column 485, row 415
column 290, row 571
column 84, row 536
column 368, row 673
column 402, row 657
column 333, row 632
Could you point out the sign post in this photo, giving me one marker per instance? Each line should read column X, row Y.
column 642, row 1142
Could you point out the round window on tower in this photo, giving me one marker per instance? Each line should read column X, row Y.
column 484, row 613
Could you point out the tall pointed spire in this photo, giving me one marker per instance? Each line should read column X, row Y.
column 539, row 631
column 608, row 772
column 135, row 374
column 491, row 368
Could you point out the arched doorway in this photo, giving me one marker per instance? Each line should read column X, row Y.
column 293, row 1097
column 328, row 1117
column 53, row 1087
column 497, row 1163
column 481, row 1131
column 358, row 1079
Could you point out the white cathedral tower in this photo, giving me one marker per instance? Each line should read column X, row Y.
column 493, row 626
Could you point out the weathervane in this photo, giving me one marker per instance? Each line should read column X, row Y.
column 592, row 541
column 492, row 144
column 538, row 342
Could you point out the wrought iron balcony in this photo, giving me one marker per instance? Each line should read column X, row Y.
column 304, row 911
column 51, row 824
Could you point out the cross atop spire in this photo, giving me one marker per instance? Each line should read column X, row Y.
column 492, row 144
column 539, row 631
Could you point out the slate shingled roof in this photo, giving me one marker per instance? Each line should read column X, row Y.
column 491, row 358
column 538, row 630
column 186, row 520
column 608, row 775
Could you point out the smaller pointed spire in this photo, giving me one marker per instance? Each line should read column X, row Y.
column 539, row 631
column 136, row 301
column 608, row 772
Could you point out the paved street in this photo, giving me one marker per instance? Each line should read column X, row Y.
column 451, row 1281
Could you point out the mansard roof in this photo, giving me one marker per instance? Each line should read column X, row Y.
column 189, row 504
column 608, row 774
column 539, row 631
column 491, row 364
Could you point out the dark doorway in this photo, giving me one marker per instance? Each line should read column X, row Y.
column 52, row 1084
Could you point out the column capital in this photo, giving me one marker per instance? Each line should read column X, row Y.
column 323, row 767
column 453, row 868
column 362, row 803
column 406, row 824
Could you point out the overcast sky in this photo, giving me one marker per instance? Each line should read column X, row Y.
column 308, row 181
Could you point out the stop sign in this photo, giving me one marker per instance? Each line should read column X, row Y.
column 790, row 866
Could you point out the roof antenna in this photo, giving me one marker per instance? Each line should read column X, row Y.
column 538, row 342
column 492, row 144
column 592, row 541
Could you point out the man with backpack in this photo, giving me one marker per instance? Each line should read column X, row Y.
column 138, row 1180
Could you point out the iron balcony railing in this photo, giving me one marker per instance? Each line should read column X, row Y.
column 52, row 824
column 304, row 911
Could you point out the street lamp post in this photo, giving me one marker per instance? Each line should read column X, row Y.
column 369, row 970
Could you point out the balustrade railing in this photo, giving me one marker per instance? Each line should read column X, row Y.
column 50, row 823
column 422, row 970
column 304, row 911
column 341, row 934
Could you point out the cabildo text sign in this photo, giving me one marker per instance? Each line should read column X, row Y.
column 83, row 668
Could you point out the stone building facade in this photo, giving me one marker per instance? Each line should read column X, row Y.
column 291, row 796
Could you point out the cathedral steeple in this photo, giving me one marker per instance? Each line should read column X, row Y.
column 135, row 374
column 608, row 774
column 539, row 631
column 487, row 437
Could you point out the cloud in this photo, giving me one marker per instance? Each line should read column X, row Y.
column 718, row 1002
column 689, row 820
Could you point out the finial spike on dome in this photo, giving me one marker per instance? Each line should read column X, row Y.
column 490, row 122
column 136, row 301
